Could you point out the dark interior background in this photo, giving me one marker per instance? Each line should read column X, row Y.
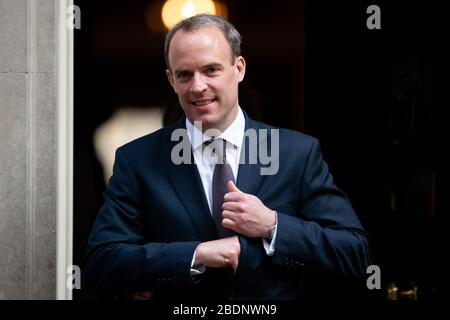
column 370, row 96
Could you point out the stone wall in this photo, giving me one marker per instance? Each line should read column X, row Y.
column 28, row 149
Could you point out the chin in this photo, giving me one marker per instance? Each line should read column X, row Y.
column 204, row 117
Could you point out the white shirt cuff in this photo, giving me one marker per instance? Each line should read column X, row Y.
column 270, row 247
column 198, row 269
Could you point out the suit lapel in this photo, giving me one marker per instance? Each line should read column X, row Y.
column 186, row 180
column 187, row 184
column 249, row 174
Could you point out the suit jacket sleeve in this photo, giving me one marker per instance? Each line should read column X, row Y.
column 119, row 255
column 326, row 235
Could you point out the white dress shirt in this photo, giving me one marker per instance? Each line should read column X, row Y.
column 205, row 162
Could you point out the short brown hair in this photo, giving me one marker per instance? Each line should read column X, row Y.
column 205, row 20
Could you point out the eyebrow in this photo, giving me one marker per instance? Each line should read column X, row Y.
column 219, row 65
column 215, row 64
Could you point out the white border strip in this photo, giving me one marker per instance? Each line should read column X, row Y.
column 64, row 183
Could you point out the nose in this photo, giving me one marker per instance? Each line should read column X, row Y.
column 198, row 83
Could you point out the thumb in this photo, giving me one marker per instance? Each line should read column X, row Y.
column 232, row 187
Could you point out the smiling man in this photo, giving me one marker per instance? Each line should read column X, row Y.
column 217, row 228
column 205, row 73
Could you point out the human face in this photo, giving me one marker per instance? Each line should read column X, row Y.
column 204, row 78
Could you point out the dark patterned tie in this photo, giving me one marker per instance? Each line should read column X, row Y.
column 222, row 174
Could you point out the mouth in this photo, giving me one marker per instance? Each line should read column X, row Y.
column 203, row 102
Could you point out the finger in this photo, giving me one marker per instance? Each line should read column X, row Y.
column 232, row 187
column 233, row 196
column 231, row 206
column 226, row 214
column 229, row 224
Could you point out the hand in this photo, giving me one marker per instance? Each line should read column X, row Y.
column 220, row 253
column 246, row 214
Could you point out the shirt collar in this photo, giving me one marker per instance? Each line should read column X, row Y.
column 233, row 134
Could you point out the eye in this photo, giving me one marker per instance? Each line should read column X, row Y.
column 183, row 75
column 212, row 70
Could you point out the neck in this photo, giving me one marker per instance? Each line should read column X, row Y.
column 231, row 117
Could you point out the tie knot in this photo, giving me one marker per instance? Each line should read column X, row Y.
column 209, row 141
column 218, row 148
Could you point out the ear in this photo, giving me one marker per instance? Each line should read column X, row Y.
column 240, row 68
column 171, row 79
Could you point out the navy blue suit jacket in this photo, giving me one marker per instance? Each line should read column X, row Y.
column 155, row 214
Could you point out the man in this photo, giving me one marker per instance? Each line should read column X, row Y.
column 216, row 227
